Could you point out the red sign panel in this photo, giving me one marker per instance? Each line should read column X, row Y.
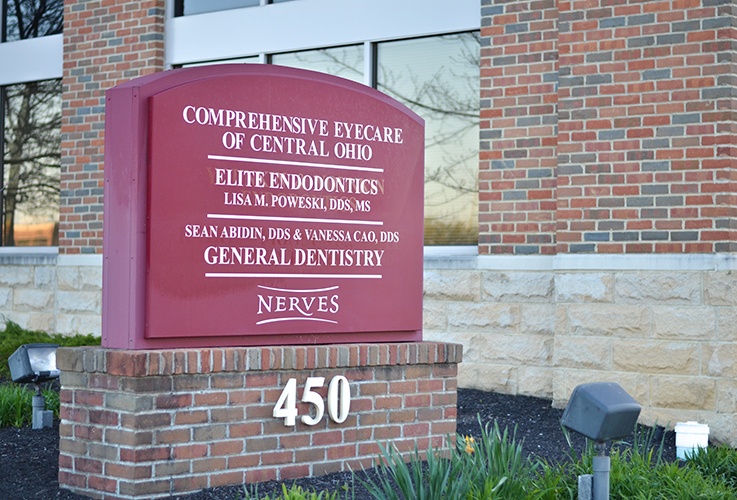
column 285, row 203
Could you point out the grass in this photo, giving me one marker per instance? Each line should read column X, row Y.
column 16, row 404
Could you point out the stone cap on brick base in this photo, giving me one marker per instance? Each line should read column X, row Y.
column 130, row 363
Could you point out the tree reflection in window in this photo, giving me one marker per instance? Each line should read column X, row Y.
column 31, row 163
column 31, row 142
column 346, row 62
column 32, row 18
column 438, row 78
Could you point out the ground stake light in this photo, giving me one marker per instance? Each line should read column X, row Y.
column 601, row 411
column 35, row 363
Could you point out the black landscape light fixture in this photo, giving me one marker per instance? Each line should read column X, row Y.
column 35, row 363
column 601, row 411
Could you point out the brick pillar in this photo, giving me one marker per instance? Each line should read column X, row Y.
column 645, row 145
column 644, row 148
column 149, row 424
column 518, row 127
column 104, row 44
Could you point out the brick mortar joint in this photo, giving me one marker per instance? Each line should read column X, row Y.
column 245, row 360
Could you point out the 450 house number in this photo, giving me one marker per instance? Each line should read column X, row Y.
column 338, row 401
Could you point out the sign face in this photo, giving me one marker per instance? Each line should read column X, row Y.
column 282, row 202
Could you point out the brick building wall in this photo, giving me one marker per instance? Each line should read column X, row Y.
column 148, row 424
column 641, row 160
column 105, row 43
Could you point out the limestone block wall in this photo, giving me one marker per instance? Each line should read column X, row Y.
column 40, row 290
column 505, row 321
column 667, row 336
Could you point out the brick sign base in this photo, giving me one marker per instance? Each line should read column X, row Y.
column 149, row 424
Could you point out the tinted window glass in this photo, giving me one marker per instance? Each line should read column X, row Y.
column 31, row 163
column 340, row 61
column 438, row 77
column 32, row 18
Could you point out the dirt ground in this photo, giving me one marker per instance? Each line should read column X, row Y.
column 29, row 458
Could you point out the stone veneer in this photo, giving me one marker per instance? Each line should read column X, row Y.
column 669, row 337
column 43, row 291
column 148, row 424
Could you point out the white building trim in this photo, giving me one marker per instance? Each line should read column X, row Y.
column 609, row 262
column 79, row 260
column 309, row 24
column 31, row 60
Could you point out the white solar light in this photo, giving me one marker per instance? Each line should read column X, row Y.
column 35, row 363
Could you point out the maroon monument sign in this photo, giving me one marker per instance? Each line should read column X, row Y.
column 260, row 205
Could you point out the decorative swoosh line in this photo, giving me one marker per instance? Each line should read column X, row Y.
column 274, row 320
column 299, row 291
column 296, row 219
column 294, row 163
column 278, row 275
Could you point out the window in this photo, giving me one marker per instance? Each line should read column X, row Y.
column 438, row 78
column 24, row 19
column 30, row 113
column 340, row 61
column 429, row 62
column 31, row 163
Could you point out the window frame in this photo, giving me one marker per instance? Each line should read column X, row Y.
column 276, row 28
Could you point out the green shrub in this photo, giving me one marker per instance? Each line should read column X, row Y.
column 15, row 336
column 293, row 493
column 718, row 463
column 489, row 467
column 638, row 472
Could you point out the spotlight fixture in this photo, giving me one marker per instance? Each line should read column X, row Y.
column 601, row 411
column 35, row 363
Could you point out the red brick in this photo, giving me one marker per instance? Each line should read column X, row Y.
column 231, row 447
column 190, row 483
column 261, row 475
